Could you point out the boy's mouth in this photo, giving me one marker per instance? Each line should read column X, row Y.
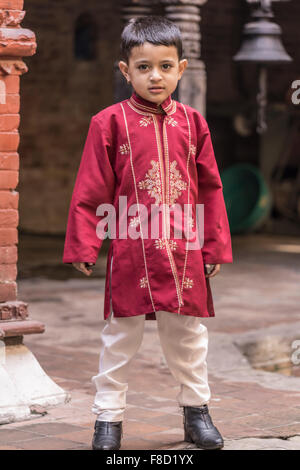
column 156, row 89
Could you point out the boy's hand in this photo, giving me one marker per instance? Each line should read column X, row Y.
column 212, row 269
column 83, row 268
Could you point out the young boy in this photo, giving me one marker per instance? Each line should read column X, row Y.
column 145, row 158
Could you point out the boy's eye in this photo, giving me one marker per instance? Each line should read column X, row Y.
column 145, row 66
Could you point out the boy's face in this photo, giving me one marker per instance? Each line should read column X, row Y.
column 153, row 71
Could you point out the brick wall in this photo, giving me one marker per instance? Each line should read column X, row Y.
column 15, row 43
column 58, row 98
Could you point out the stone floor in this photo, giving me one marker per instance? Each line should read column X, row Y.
column 256, row 297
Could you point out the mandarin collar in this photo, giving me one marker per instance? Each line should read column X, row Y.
column 147, row 106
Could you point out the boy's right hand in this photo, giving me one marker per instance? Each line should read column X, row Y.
column 82, row 267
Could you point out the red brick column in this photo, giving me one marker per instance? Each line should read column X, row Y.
column 15, row 43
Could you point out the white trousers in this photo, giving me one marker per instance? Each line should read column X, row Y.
column 184, row 341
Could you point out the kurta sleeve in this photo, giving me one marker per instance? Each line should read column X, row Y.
column 94, row 185
column 217, row 240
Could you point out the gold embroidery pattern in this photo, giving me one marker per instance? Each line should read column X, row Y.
column 167, row 163
column 143, row 282
column 173, row 245
column 193, row 149
column 188, row 198
column 177, row 185
column 124, row 149
column 135, row 221
column 160, row 244
column 171, row 121
column 138, row 106
column 146, row 121
column 171, row 109
column 188, row 283
column 160, row 152
column 152, row 182
column 137, row 199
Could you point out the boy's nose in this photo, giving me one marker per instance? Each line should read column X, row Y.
column 155, row 75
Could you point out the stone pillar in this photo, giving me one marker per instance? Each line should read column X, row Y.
column 191, row 89
column 23, row 383
column 131, row 9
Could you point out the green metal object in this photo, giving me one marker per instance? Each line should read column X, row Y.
column 247, row 197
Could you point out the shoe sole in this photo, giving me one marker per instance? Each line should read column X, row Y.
column 187, row 438
column 114, row 448
column 99, row 448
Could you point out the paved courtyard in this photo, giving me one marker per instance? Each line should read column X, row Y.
column 257, row 302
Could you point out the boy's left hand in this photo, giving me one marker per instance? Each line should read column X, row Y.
column 212, row 269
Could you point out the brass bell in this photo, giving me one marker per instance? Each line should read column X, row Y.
column 262, row 46
column 262, row 43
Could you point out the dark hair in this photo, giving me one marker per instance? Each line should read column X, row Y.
column 157, row 30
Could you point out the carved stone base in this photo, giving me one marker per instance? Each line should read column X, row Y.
column 24, row 384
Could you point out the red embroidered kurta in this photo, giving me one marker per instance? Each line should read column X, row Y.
column 158, row 159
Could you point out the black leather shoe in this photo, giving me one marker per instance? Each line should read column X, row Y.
column 107, row 435
column 199, row 428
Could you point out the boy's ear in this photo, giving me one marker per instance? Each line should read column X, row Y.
column 123, row 66
column 182, row 66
